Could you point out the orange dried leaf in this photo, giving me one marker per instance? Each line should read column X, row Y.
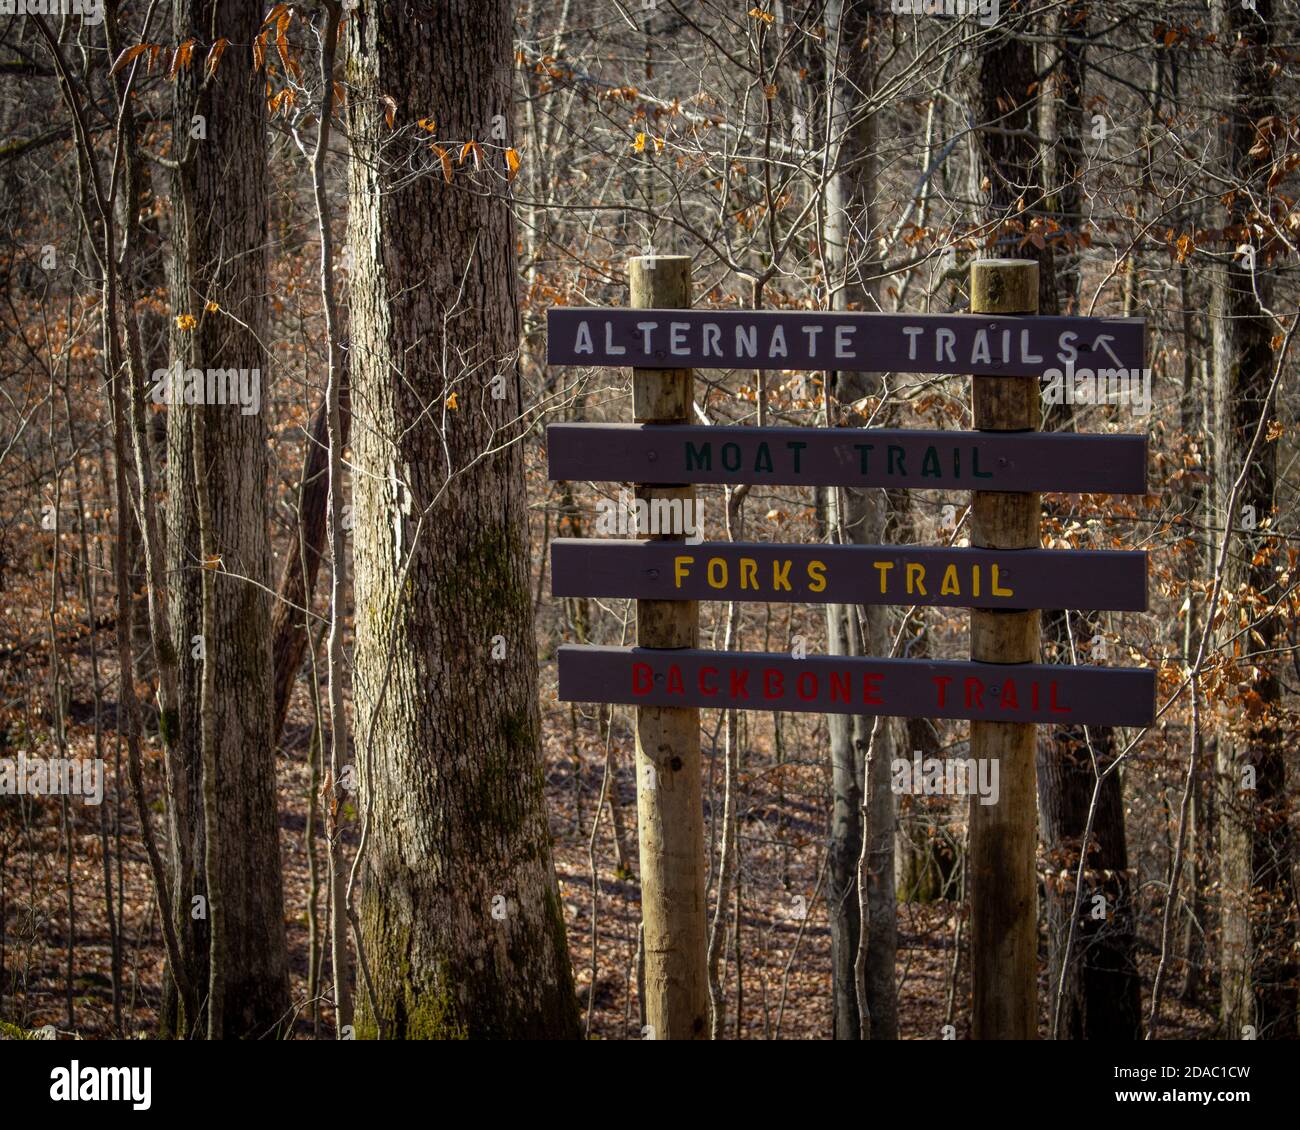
column 445, row 158
column 214, row 54
column 126, row 56
column 181, row 58
column 472, row 148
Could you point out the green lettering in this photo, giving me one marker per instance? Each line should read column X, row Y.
column 701, row 456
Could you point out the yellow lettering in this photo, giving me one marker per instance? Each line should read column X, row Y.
column 781, row 576
column 681, row 567
column 816, row 576
column 975, row 580
column 951, row 585
column 917, row 572
column 997, row 591
column 720, row 565
column 748, row 573
column 884, row 567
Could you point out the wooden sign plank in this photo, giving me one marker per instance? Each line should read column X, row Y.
column 849, row 457
column 1003, row 345
column 850, row 574
column 908, row 688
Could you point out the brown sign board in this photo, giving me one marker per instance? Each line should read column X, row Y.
column 909, row 688
column 849, row 457
column 850, row 574
column 1002, row 345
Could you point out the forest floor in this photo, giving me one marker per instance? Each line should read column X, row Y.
column 777, row 975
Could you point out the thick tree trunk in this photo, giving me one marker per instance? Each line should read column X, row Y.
column 460, row 911
column 219, row 278
column 1257, row 914
column 856, row 517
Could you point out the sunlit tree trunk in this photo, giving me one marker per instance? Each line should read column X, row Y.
column 460, row 911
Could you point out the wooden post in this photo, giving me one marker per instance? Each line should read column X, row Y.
column 1003, row 836
column 670, row 806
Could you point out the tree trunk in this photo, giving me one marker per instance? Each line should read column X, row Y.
column 219, row 278
column 856, row 517
column 1257, row 915
column 460, row 912
column 290, row 628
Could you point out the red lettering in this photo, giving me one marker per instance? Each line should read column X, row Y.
column 1055, row 707
column 704, row 687
column 768, row 676
column 1009, row 701
column 840, row 685
column 739, row 679
column 675, row 684
column 871, row 688
column 799, row 685
column 941, row 685
column 643, row 678
column 1034, row 696
column 976, row 685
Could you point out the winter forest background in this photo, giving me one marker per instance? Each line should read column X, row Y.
column 310, row 635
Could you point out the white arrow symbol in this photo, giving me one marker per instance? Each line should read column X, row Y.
column 1101, row 343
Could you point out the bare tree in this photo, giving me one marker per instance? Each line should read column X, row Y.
column 460, row 910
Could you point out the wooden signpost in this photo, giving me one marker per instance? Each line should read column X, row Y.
column 1003, row 578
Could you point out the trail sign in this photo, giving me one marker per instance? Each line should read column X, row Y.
column 850, row 574
column 864, row 457
column 909, row 688
column 1003, row 689
column 1005, row 345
